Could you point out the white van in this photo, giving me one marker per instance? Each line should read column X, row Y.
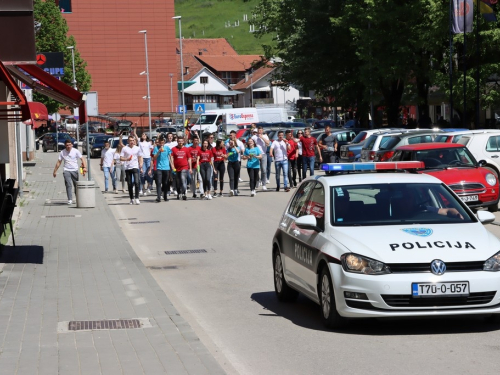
column 211, row 120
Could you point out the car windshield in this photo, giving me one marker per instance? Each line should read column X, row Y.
column 396, row 204
column 359, row 138
column 100, row 139
column 206, row 119
column 370, row 142
column 63, row 136
column 446, row 157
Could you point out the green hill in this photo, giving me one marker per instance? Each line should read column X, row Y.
column 209, row 19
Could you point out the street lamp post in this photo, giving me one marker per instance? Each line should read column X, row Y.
column 182, row 70
column 171, row 94
column 147, row 76
column 251, row 89
column 72, row 48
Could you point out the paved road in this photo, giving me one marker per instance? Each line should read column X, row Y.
column 227, row 296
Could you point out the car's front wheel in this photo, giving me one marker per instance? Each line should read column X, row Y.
column 329, row 313
column 283, row 291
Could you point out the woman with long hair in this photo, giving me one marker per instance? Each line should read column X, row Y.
column 205, row 157
column 253, row 155
column 146, row 148
column 233, row 167
column 119, row 165
column 220, row 155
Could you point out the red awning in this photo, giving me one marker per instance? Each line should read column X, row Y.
column 19, row 113
column 39, row 113
column 50, row 86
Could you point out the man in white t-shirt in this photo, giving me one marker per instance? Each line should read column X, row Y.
column 262, row 142
column 279, row 151
column 132, row 156
column 70, row 157
column 108, row 166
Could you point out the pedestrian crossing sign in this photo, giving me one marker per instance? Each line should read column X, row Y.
column 199, row 108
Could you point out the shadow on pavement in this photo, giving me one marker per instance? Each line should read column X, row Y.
column 21, row 254
column 306, row 313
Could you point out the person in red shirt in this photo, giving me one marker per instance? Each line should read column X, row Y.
column 292, row 154
column 309, row 148
column 181, row 160
column 220, row 154
column 205, row 157
column 195, row 177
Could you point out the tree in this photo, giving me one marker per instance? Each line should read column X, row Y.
column 52, row 37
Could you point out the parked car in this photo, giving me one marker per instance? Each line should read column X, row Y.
column 116, row 140
column 484, row 146
column 455, row 165
column 386, row 151
column 96, row 144
column 50, row 143
column 351, row 152
column 379, row 141
column 453, row 137
column 320, row 124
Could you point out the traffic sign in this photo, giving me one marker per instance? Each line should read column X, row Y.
column 199, row 108
column 181, row 109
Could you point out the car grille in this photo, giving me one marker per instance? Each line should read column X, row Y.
column 406, row 300
column 471, row 187
column 426, row 267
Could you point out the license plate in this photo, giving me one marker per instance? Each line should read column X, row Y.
column 440, row 289
column 343, row 153
column 470, row 198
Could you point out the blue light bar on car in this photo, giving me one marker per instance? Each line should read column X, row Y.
column 346, row 167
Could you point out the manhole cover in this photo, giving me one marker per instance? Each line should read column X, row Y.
column 94, row 325
column 196, row 251
column 144, row 222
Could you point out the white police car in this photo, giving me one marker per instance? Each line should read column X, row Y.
column 385, row 245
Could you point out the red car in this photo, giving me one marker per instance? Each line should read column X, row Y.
column 453, row 164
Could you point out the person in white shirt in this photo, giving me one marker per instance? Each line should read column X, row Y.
column 132, row 156
column 70, row 157
column 279, row 150
column 146, row 148
column 119, row 165
column 262, row 142
column 108, row 166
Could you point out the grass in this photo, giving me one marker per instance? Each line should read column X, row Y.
column 207, row 18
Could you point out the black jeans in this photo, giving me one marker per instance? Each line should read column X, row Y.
column 133, row 173
column 206, row 174
column 233, row 169
column 162, row 177
column 299, row 167
column 253, row 173
column 292, row 172
column 220, row 168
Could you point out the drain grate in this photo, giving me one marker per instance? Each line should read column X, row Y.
column 195, row 251
column 57, row 216
column 144, row 222
column 94, row 325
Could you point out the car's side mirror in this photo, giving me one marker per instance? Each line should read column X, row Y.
column 485, row 217
column 307, row 222
column 481, row 163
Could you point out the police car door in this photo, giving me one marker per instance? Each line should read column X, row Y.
column 297, row 206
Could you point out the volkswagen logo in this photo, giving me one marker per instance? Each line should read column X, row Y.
column 438, row 267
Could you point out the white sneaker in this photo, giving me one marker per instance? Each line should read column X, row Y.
column 260, row 183
column 149, row 191
column 70, row 202
column 264, row 187
column 236, row 192
column 252, row 193
column 240, row 180
column 137, row 201
column 255, row 192
column 140, row 192
column 209, row 197
column 267, row 181
column 132, row 201
column 231, row 193
column 175, row 192
column 205, row 197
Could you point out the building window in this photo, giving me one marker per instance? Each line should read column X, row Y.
column 201, row 99
column 64, row 5
column 226, row 77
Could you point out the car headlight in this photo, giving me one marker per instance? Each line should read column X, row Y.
column 492, row 264
column 360, row 264
column 491, row 179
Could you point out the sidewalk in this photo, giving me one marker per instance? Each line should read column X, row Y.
column 74, row 264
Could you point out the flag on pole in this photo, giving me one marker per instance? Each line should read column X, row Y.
column 463, row 16
column 486, row 9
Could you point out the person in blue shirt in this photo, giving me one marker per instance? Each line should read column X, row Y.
column 253, row 155
column 161, row 155
column 233, row 167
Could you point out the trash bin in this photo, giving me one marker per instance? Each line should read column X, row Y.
column 85, row 194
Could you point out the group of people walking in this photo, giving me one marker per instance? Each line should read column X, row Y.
column 173, row 165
